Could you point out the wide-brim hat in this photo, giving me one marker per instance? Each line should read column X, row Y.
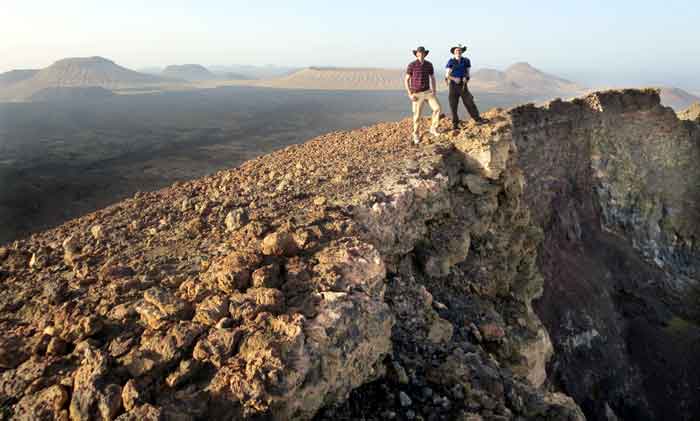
column 460, row 46
column 422, row 50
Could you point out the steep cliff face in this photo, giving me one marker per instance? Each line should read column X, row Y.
column 357, row 277
column 613, row 181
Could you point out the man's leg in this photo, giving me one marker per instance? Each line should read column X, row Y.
column 454, row 103
column 437, row 109
column 417, row 108
column 468, row 100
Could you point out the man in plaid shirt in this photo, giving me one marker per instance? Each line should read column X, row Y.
column 421, row 87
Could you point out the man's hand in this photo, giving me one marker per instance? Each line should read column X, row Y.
column 412, row 96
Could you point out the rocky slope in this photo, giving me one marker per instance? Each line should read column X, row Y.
column 358, row 277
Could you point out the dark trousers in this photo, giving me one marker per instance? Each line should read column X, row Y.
column 457, row 91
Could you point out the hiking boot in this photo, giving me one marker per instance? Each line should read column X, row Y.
column 481, row 120
column 455, row 124
column 416, row 139
column 435, row 132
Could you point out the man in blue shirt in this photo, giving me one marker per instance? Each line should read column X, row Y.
column 456, row 78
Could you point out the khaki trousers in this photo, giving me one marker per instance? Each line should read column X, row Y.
column 432, row 100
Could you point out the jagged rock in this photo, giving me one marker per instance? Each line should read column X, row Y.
column 185, row 371
column 211, row 310
column 47, row 404
column 159, row 306
column 94, row 397
column 144, row 412
column 55, row 291
column 440, row 331
column 692, row 113
column 38, row 260
column 492, row 332
column 218, row 346
column 71, row 250
column 132, row 396
column 3, row 253
column 97, row 232
column 114, row 270
column 279, row 244
column 477, row 184
column 236, row 219
column 159, row 350
column 267, row 276
column 233, row 272
column 57, row 347
column 14, row 350
column 16, row 260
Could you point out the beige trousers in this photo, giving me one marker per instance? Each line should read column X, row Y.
column 432, row 100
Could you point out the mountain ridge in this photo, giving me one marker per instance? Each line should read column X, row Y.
column 518, row 79
column 82, row 72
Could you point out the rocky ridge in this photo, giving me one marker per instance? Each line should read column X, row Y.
column 351, row 277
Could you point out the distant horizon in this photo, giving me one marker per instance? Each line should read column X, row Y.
column 594, row 43
column 590, row 82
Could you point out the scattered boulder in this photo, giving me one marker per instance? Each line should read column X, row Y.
column 233, row 273
column 267, row 276
column 97, row 232
column 94, row 396
column 48, row 404
column 236, row 219
column 71, row 250
column 217, row 347
column 279, row 243
column 211, row 310
column 160, row 306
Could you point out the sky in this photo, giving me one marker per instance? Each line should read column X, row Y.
column 597, row 43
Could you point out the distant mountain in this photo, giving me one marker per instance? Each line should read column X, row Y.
column 61, row 93
column 14, row 76
column 678, row 99
column 236, row 76
column 519, row 79
column 79, row 72
column 244, row 71
column 190, row 72
column 523, row 77
column 338, row 78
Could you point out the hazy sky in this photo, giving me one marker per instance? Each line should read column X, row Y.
column 595, row 42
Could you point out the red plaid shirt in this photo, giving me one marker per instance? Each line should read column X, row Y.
column 420, row 75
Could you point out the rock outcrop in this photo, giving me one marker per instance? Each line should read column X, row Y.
column 692, row 113
column 358, row 277
column 613, row 180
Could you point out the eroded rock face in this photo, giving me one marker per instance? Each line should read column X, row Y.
column 613, row 180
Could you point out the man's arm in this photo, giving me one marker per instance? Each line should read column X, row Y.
column 405, row 84
column 432, row 79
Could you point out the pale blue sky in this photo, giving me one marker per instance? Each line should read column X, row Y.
column 595, row 42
